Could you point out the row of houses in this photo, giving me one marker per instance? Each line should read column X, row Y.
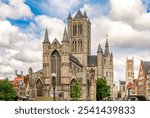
column 21, row 85
column 141, row 85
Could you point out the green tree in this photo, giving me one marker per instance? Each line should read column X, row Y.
column 75, row 91
column 102, row 89
column 7, row 91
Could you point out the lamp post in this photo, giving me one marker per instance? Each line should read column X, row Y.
column 88, row 88
column 54, row 84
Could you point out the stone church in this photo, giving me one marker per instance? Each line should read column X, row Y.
column 72, row 62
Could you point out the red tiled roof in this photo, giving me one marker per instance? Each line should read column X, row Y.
column 17, row 79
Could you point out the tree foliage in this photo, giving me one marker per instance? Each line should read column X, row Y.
column 102, row 89
column 75, row 91
column 7, row 91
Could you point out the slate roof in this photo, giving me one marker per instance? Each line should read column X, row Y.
column 92, row 60
column 79, row 15
column 146, row 66
column 75, row 60
column 122, row 82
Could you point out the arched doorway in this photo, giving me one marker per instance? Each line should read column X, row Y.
column 39, row 87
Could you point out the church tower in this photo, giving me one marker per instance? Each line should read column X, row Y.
column 129, row 71
column 108, row 65
column 65, row 60
column 79, row 33
column 46, row 79
column 46, row 45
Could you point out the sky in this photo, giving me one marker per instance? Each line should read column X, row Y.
column 23, row 24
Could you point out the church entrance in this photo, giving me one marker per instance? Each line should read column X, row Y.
column 39, row 87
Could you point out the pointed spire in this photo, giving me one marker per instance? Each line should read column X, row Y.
column 30, row 70
column 85, row 15
column 46, row 39
column 78, row 15
column 111, row 54
column 107, row 46
column 65, row 36
column 100, row 50
column 69, row 16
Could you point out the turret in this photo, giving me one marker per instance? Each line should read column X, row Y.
column 99, row 61
column 85, row 15
column 65, row 36
column 46, row 42
column 30, row 77
column 46, row 39
column 65, row 41
column 46, row 46
column 30, row 71
column 107, row 47
column 69, row 16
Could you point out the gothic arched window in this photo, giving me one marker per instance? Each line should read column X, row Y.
column 79, row 29
column 55, row 66
column 74, row 30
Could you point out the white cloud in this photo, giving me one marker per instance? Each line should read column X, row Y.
column 126, row 9
column 55, row 26
column 61, row 6
column 27, row 56
column 17, row 47
column 15, row 9
column 6, row 69
column 6, row 31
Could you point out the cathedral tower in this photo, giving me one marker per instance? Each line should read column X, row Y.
column 79, row 33
column 108, row 65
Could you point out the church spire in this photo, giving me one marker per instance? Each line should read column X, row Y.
column 85, row 15
column 46, row 39
column 100, row 50
column 69, row 16
column 107, row 46
column 65, row 36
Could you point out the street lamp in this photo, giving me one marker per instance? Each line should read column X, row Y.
column 88, row 88
column 54, row 84
column 60, row 93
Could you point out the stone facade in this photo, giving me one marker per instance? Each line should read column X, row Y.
column 129, row 75
column 71, row 61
